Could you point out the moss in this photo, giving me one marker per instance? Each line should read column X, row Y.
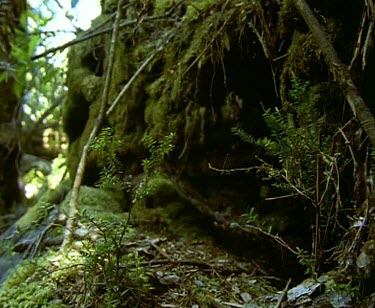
column 304, row 62
column 164, row 97
column 157, row 115
column 33, row 215
column 30, row 285
column 288, row 17
column 40, row 210
column 165, row 211
column 95, row 202
column 196, row 7
column 64, row 279
column 160, row 6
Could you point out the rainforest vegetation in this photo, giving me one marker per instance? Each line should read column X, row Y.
column 188, row 153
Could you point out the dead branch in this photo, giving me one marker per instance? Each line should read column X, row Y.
column 284, row 294
column 91, row 35
column 128, row 84
column 357, row 104
column 73, row 204
column 250, row 229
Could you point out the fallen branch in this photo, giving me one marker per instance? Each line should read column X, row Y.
column 73, row 204
column 357, row 104
column 284, row 294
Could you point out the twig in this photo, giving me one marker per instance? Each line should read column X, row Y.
column 283, row 295
column 368, row 42
column 73, row 204
column 277, row 238
column 129, row 83
column 92, row 35
column 229, row 171
column 161, row 251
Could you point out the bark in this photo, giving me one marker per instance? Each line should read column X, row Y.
column 10, row 12
column 339, row 70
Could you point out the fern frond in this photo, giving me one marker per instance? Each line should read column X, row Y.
column 245, row 137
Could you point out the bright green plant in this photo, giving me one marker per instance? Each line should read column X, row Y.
column 107, row 146
column 101, row 273
column 158, row 151
column 113, row 277
column 30, row 285
column 342, row 288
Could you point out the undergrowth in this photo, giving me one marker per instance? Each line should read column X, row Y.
column 298, row 160
column 97, row 274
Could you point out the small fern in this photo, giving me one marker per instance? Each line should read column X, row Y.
column 295, row 140
column 158, row 151
column 107, row 146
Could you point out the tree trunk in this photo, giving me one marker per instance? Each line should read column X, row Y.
column 10, row 12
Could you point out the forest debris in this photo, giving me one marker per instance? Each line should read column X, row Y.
column 283, row 295
column 301, row 294
column 167, row 278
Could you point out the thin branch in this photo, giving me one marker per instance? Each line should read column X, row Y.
column 284, row 294
column 278, row 239
column 92, row 35
column 357, row 104
column 73, row 204
column 232, row 170
column 368, row 42
column 48, row 112
column 129, row 83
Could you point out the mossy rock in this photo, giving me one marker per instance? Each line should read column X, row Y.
column 42, row 207
column 165, row 211
column 96, row 203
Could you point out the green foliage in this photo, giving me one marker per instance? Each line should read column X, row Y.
column 296, row 140
column 102, row 273
column 342, row 288
column 158, row 150
column 160, row 6
column 112, row 278
column 107, row 146
column 30, row 285
column 298, row 160
column 307, row 260
column 251, row 216
column 40, row 82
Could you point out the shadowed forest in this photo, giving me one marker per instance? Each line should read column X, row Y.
column 188, row 153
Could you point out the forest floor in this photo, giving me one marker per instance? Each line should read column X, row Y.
column 192, row 264
column 199, row 273
column 166, row 256
column 193, row 269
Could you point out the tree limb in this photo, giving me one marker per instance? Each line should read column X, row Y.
column 91, row 35
column 73, row 204
column 356, row 102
